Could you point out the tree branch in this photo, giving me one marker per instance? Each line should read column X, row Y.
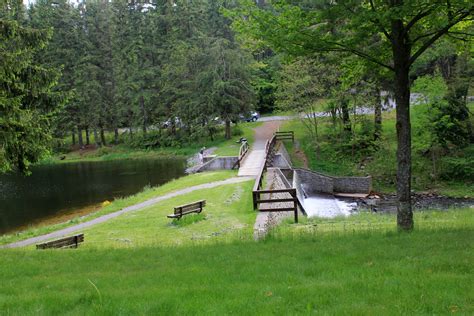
column 380, row 25
column 336, row 47
column 415, row 19
column 438, row 34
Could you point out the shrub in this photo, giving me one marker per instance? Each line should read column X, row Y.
column 457, row 168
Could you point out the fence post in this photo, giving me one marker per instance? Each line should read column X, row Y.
column 295, row 203
column 254, row 194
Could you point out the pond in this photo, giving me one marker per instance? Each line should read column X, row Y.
column 71, row 188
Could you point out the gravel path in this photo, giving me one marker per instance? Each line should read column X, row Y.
column 104, row 218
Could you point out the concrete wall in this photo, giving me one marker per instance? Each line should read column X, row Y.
column 218, row 163
column 313, row 182
column 208, row 158
column 282, row 158
column 279, row 161
column 308, row 182
column 282, row 150
column 352, row 184
column 288, row 173
column 282, row 178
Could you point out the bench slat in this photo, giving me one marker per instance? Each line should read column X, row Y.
column 195, row 207
column 72, row 241
column 193, row 203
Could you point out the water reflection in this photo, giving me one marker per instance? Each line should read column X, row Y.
column 56, row 189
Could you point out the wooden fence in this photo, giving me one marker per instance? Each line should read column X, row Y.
column 285, row 135
column 261, row 196
column 244, row 148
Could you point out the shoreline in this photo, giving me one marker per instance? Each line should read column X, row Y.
column 116, row 205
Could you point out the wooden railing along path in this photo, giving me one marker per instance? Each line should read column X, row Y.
column 244, row 148
column 285, row 135
column 261, row 196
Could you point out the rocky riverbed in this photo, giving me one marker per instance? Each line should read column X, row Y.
column 388, row 203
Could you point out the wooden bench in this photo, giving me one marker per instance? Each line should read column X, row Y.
column 66, row 242
column 195, row 207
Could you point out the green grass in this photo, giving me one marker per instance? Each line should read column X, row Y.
column 228, row 215
column 426, row 272
column 230, row 147
column 118, row 204
column 366, row 221
column 224, row 148
column 116, row 153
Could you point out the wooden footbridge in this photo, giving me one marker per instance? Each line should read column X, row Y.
column 283, row 197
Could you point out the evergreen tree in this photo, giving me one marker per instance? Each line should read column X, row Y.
column 27, row 99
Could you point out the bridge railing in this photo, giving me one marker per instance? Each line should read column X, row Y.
column 261, row 196
column 244, row 148
column 285, row 135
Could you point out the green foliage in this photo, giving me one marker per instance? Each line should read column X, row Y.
column 443, row 119
column 27, row 99
column 129, row 64
column 336, row 157
column 461, row 168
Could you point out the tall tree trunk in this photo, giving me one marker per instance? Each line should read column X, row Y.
column 377, row 115
column 79, row 137
column 227, row 129
column 142, row 106
column 346, row 121
column 401, row 55
column 116, row 136
column 73, row 134
column 96, row 138
column 88, row 140
column 102, row 136
column 334, row 116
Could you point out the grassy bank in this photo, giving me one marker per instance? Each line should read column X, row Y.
column 117, row 152
column 428, row 271
column 228, row 215
column 118, row 204
column 125, row 150
column 337, row 157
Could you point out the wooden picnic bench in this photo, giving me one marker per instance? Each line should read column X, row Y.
column 66, row 242
column 195, row 207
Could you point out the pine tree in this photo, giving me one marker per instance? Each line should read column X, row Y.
column 27, row 99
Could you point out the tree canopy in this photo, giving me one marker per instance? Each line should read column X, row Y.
column 390, row 34
column 27, row 99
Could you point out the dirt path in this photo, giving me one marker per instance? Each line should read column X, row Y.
column 264, row 132
column 104, row 218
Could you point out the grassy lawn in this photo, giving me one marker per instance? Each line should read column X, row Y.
column 228, row 215
column 118, row 204
column 367, row 272
column 366, row 221
column 230, row 147
column 117, row 152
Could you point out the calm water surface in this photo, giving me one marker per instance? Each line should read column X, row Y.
column 58, row 189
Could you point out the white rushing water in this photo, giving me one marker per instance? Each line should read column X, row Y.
column 327, row 206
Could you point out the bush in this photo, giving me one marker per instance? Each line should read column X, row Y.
column 457, row 168
column 102, row 151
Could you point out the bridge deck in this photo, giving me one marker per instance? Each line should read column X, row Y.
column 252, row 163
